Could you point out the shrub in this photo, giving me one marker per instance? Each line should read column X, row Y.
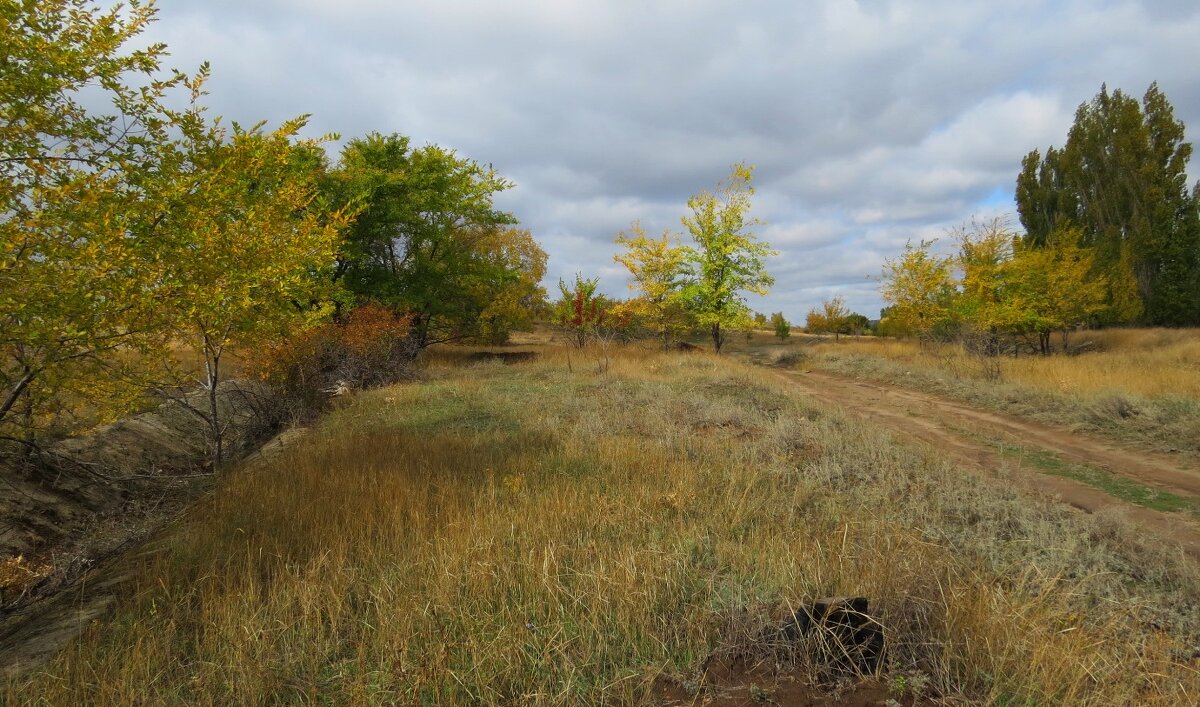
column 373, row 346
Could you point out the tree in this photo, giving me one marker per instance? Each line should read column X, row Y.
column 836, row 316
column 832, row 318
column 1121, row 179
column 659, row 272
column 1054, row 287
column 986, row 299
column 512, row 298
column 814, row 322
column 423, row 242
column 581, row 309
column 919, row 288
column 244, row 239
column 781, row 326
column 79, row 278
column 857, row 324
column 727, row 259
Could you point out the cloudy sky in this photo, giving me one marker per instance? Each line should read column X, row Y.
column 870, row 123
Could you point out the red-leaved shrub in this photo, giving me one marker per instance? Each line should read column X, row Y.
column 371, row 347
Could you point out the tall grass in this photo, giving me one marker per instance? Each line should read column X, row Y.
column 534, row 534
column 1139, row 362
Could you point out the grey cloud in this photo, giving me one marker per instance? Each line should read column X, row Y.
column 871, row 123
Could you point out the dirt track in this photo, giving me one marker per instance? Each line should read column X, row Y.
column 963, row 432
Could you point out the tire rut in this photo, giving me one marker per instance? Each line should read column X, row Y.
column 956, row 429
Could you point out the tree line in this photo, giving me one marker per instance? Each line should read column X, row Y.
column 145, row 227
column 134, row 226
column 1111, row 237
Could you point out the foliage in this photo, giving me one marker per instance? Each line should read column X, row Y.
column 986, row 301
column 430, row 242
column 510, row 299
column 1056, row 287
column 727, row 259
column 781, row 326
column 581, row 310
column 1121, row 179
column 659, row 272
column 834, row 318
column 132, row 228
column 372, row 347
column 857, row 324
column 1013, row 287
column 241, row 243
column 919, row 288
column 79, row 275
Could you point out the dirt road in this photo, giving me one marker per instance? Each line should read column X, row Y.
column 976, row 437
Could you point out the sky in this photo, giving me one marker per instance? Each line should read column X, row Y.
column 870, row 124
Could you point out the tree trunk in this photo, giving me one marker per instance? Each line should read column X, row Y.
column 212, row 378
column 716, row 338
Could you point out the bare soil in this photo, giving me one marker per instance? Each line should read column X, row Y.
column 964, row 433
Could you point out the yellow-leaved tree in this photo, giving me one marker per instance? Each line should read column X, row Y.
column 988, row 303
column 919, row 288
column 514, row 293
column 1057, row 285
column 658, row 268
column 78, row 257
column 242, row 245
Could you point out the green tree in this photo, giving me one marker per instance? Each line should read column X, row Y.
column 857, row 324
column 781, row 326
column 727, row 259
column 422, row 241
column 1121, row 179
column 659, row 270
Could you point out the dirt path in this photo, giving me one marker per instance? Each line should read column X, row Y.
column 964, row 432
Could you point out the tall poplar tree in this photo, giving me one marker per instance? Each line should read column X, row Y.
column 1121, row 179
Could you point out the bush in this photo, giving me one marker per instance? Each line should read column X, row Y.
column 372, row 347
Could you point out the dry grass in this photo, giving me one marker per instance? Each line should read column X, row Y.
column 1145, row 362
column 531, row 534
column 1141, row 386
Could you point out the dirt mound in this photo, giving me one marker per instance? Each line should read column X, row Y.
column 73, row 481
column 835, row 646
column 86, row 499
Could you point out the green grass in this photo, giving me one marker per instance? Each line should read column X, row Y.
column 1115, row 485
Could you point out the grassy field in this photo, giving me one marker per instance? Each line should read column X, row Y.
column 1135, row 385
column 570, row 532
